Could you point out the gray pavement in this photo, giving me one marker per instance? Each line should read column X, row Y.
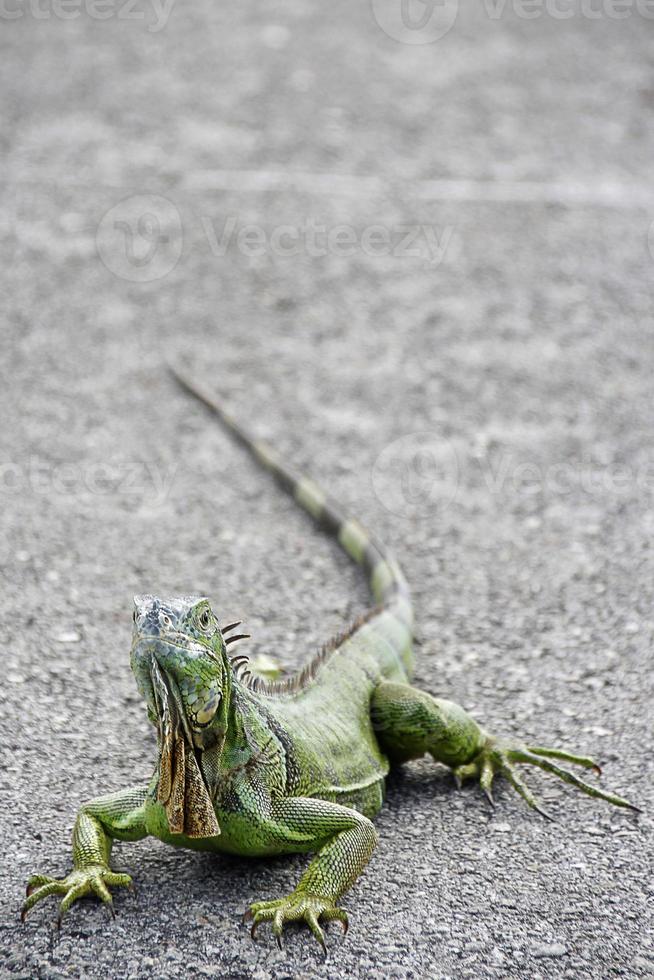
column 241, row 186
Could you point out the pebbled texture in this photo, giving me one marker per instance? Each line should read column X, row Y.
column 531, row 339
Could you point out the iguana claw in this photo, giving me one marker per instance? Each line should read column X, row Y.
column 92, row 880
column 297, row 907
column 497, row 757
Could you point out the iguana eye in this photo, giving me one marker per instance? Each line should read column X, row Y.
column 166, row 620
column 205, row 619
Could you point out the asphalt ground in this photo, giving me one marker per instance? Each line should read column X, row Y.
column 425, row 272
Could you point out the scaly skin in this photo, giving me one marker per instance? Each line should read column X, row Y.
column 252, row 769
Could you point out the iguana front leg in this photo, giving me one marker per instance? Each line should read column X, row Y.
column 344, row 840
column 118, row 816
column 409, row 723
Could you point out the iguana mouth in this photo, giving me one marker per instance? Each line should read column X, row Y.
column 182, row 789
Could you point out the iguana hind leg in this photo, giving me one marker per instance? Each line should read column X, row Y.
column 115, row 816
column 344, row 840
column 409, row 723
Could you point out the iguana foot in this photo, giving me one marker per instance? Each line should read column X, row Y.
column 297, row 907
column 92, row 880
column 499, row 757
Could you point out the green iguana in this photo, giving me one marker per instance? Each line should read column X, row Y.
column 253, row 767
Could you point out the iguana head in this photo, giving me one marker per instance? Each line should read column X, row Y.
column 179, row 640
column 179, row 659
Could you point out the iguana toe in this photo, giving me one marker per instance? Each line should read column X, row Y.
column 501, row 757
column 93, row 880
column 297, row 907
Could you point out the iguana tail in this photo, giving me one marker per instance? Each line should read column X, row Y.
column 387, row 583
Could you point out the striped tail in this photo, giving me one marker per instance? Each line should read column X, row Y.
column 387, row 583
